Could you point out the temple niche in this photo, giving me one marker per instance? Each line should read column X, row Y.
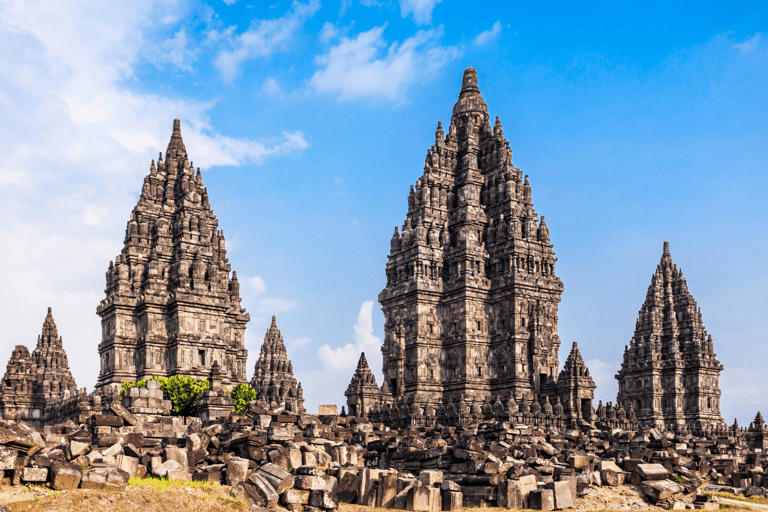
column 35, row 381
column 670, row 373
column 273, row 376
column 172, row 304
column 471, row 299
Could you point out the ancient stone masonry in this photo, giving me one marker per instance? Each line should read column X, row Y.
column 362, row 393
column 273, row 373
column 670, row 373
column 471, row 299
column 35, row 382
column 171, row 307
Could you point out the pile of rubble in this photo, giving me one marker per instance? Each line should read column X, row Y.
column 314, row 462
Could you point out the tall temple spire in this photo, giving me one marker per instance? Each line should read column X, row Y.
column 670, row 372
column 273, row 373
column 173, row 271
column 471, row 299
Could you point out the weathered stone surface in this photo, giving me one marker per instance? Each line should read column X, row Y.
column 328, row 410
column 237, row 470
column 35, row 475
column 168, row 466
column 542, row 499
column 8, row 458
column 563, row 495
column 652, row 472
column 65, row 475
column 107, row 479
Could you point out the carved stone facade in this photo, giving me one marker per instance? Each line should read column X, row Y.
column 273, row 374
column 38, row 381
column 670, row 373
column 171, row 307
column 471, row 299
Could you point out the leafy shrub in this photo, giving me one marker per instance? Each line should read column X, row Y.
column 243, row 394
column 183, row 392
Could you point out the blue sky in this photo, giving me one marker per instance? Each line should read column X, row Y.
column 638, row 122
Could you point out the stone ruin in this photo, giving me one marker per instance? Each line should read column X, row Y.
column 273, row 376
column 471, row 299
column 312, row 463
column 670, row 373
column 170, row 306
column 37, row 388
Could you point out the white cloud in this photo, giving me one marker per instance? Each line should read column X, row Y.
column 339, row 363
column 263, row 38
column 345, row 358
column 489, row 35
column 271, row 88
column 230, row 2
column 750, row 44
column 8, row 178
column 276, row 305
column 420, row 9
column 300, row 343
column 95, row 216
column 175, row 50
column 370, row 66
column 328, row 32
column 75, row 147
column 257, row 285
column 604, row 376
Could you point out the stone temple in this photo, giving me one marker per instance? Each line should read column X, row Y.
column 33, row 383
column 273, row 376
column 471, row 298
column 670, row 373
column 171, row 307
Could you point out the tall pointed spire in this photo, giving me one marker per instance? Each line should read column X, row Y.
column 173, row 270
column 670, row 346
column 273, row 372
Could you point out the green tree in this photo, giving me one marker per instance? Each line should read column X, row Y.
column 183, row 392
column 243, row 394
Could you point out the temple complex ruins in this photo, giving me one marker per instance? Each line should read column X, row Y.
column 670, row 373
column 171, row 307
column 471, row 298
column 33, row 383
column 273, row 376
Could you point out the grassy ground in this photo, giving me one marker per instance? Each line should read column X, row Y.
column 752, row 499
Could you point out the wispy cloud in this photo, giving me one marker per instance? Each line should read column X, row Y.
column 421, row 10
column 262, row 39
column 80, row 144
column 369, row 66
column 300, row 343
column 489, row 35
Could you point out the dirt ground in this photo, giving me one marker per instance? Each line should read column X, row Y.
column 219, row 499
column 132, row 499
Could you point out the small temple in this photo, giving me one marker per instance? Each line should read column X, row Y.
column 670, row 373
column 34, row 382
column 273, row 376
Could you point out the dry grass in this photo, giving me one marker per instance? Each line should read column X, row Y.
column 136, row 498
column 752, row 499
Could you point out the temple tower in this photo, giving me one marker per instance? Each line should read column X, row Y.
column 670, row 373
column 54, row 379
column 33, row 382
column 273, row 373
column 362, row 393
column 171, row 307
column 471, row 298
